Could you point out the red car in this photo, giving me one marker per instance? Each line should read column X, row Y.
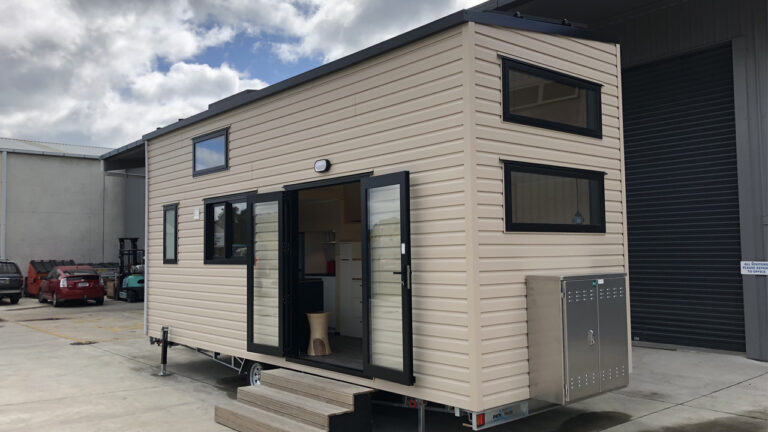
column 71, row 283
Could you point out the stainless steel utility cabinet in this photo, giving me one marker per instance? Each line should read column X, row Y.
column 577, row 336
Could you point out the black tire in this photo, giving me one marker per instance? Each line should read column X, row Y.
column 40, row 297
column 56, row 302
column 131, row 296
column 99, row 301
column 14, row 299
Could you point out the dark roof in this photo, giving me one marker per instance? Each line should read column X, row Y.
column 122, row 149
column 483, row 14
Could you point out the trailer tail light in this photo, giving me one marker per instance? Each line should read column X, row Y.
column 63, row 283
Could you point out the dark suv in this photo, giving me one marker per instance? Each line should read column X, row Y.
column 11, row 281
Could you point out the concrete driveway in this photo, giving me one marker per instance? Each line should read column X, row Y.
column 90, row 368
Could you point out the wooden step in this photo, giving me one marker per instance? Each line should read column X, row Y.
column 245, row 418
column 303, row 408
column 327, row 390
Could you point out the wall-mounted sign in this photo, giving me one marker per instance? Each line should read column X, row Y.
column 754, row 268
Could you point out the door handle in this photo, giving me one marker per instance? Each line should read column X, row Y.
column 408, row 276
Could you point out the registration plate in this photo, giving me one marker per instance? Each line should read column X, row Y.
column 83, row 284
column 5, row 281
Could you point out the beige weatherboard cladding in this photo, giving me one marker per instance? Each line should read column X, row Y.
column 433, row 108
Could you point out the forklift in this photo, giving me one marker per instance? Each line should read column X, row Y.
column 130, row 271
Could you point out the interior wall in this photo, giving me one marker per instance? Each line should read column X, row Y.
column 328, row 214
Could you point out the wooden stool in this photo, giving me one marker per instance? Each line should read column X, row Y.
column 318, row 334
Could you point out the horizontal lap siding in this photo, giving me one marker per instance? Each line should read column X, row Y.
column 400, row 111
column 505, row 259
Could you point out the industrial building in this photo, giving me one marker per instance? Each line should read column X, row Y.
column 57, row 203
column 696, row 134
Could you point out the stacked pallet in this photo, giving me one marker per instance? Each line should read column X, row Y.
column 288, row 401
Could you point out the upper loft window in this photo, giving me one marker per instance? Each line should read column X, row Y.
column 540, row 97
column 548, row 198
column 211, row 152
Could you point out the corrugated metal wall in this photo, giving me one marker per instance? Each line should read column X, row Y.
column 682, row 195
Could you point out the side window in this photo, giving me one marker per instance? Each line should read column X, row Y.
column 547, row 198
column 211, row 152
column 170, row 233
column 226, row 230
column 544, row 98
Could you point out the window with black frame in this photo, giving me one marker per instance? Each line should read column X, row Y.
column 211, row 152
column 544, row 98
column 170, row 233
column 226, row 230
column 547, row 198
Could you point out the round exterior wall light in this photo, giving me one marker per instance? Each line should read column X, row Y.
column 322, row 165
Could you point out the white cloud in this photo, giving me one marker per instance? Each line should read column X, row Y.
column 85, row 71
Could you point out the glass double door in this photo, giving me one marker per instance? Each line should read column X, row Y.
column 386, row 274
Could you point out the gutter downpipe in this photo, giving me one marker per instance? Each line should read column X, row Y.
column 3, row 202
column 146, row 230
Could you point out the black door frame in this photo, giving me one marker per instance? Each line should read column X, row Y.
column 254, row 198
column 404, row 376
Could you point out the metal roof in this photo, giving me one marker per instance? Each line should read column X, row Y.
column 51, row 149
column 485, row 13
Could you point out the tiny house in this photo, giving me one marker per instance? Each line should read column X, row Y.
column 407, row 190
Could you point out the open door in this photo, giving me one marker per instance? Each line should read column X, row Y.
column 386, row 256
column 266, row 273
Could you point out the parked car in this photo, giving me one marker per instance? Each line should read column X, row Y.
column 11, row 281
column 79, row 282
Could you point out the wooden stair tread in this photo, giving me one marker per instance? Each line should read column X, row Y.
column 307, row 384
column 246, row 418
column 301, row 407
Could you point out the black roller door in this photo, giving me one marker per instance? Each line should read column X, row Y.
column 682, row 202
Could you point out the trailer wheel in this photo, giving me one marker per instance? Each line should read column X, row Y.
column 254, row 373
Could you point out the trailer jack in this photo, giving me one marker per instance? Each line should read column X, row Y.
column 164, row 354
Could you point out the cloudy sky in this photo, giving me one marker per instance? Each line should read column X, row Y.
column 106, row 72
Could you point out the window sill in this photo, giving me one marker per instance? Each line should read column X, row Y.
column 226, row 261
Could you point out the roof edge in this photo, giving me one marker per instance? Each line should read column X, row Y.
column 121, row 149
column 50, row 153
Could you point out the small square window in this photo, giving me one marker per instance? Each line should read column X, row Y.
column 211, row 152
column 170, row 233
column 549, row 99
column 226, row 230
column 555, row 199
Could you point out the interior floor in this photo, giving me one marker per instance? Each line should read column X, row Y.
column 347, row 352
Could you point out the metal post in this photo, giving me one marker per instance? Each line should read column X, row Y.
column 164, row 353
column 3, row 204
column 421, row 405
